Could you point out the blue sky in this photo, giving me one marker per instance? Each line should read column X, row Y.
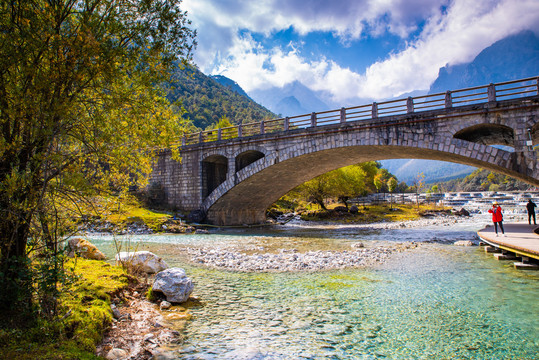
column 349, row 49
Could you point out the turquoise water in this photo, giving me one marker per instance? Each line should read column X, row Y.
column 437, row 301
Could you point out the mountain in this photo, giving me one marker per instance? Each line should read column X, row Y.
column 513, row 57
column 484, row 180
column 289, row 100
column 229, row 83
column 290, row 106
column 206, row 100
column 408, row 170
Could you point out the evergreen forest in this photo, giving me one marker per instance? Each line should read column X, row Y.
column 205, row 101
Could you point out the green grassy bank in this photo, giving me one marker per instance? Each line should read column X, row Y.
column 372, row 213
column 84, row 315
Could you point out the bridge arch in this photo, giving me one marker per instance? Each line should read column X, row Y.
column 246, row 158
column 214, row 173
column 257, row 186
column 488, row 134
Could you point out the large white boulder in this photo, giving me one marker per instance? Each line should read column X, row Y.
column 145, row 261
column 174, row 284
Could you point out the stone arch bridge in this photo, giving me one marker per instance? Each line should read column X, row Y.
column 232, row 175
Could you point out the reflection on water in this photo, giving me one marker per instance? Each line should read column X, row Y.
column 438, row 301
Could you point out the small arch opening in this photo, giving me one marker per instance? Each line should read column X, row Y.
column 214, row 171
column 488, row 134
column 246, row 158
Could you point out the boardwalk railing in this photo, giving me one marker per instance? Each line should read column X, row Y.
column 450, row 99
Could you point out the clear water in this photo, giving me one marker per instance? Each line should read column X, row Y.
column 437, row 301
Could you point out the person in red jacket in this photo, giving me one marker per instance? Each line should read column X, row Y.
column 497, row 217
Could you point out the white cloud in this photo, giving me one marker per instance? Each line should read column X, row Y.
column 218, row 20
column 452, row 36
column 458, row 37
column 256, row 68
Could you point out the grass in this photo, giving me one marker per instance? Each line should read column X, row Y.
column 119, row 211
column 132, row 212
column 85, row 314
column 373, row 213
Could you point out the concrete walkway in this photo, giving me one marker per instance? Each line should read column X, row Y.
column 519, row 238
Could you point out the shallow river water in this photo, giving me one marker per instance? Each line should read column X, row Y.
column 436, row 301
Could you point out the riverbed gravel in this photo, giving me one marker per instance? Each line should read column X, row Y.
column 292, row 260
column 286, row 260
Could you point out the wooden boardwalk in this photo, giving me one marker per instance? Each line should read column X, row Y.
column 519, row 238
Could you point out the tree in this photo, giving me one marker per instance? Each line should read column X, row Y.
column 316, row 190
column 392, row 184
column 419, row 182
column 379, row 181
column 223, row 123
column 348, row 182
column 79, row 113
column 342, row 184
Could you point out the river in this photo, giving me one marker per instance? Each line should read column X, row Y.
column 435, row 301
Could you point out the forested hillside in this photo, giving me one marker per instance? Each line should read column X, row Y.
column 483, row 180
column 206, row 101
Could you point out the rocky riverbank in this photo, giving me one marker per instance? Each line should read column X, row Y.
column 138, row 329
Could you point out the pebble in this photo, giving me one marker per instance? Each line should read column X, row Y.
column 117, row 354
column 165, row 305
column 463, row 243
column 115, row 312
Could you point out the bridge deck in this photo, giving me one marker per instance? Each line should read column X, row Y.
column 519, row 238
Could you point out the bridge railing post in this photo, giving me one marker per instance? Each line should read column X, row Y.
column 409, row 105
column 184, row 140
column 374, row 110
column 200, row 137
column 343, row 115
column 448, row 100
column 286, row 123
column 262, row 129
column 491, row 93
column 313, row 119
column 219, row 134
column 240, row 130
column 537, row 83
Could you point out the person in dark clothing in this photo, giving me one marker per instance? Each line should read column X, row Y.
column 531, row 211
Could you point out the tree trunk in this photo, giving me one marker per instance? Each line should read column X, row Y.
column 15, row 277
column 16, row 280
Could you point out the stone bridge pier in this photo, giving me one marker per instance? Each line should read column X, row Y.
column 234, row 181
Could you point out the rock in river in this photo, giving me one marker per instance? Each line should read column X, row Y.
column 463, row 243
column 147, row 261
column 174, row 284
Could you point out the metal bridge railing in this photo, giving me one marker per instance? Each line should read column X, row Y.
column 450, row 99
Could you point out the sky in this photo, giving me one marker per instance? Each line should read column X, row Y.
column 349, row 49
